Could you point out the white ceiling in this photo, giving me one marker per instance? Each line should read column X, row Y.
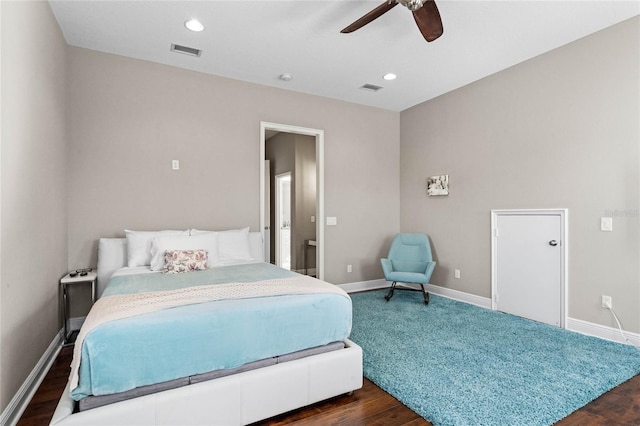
column 258, row 40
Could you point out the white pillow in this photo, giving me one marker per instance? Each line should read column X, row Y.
column 206, row 241
column 112, row 255
column 139, row 245
column 233, row 245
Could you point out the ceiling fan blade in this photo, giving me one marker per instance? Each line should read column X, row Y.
column 428, row 20
column 374, row 14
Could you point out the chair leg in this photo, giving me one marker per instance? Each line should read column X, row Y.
column 390, row 294
column 425, row 294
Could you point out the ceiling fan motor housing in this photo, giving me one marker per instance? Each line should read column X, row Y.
column 412, row 5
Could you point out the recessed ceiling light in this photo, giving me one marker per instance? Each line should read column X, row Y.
column 389, row 76
column 194, row 25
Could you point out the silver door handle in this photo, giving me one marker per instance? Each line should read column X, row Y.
column 553, row 243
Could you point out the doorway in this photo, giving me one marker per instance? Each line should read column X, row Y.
column 528, row 264
column 317, row 217
column 283, row 220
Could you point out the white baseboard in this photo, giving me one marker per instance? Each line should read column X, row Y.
column 364, row 285
column 21, row 399
column 461, row 296
column 602, row 331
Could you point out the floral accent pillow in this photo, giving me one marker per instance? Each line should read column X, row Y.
column 176, row 261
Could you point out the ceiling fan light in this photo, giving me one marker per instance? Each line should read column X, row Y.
column 194, row 25
column 389, row 76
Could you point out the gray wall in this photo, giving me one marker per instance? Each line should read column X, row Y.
column 305, row 200
column 33, row 225
column 130, row 118
column 558, row 131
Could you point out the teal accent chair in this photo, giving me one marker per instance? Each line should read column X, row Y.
column 409, row 261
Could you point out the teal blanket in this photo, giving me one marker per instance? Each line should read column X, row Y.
column 193, row 339
column 139, row 283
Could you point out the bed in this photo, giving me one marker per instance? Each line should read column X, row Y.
column 236, row 341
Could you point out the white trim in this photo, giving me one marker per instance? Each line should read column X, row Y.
column 319, row 135
column 356, row 287
column 21, row 399
column 602, row 331
column 483, row 302
column 564, row 244
column 460, row 296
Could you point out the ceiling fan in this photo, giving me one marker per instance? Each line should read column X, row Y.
column 425, row 12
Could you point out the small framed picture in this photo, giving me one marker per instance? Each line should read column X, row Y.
column 438, row 185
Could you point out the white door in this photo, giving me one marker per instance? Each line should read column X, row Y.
column 528, row 252
column 283, row 220
column 267, row 212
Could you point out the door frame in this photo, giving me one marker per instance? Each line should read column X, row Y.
column 319, row 136
column 564, row 253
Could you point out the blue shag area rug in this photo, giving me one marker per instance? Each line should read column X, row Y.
column 458, row 364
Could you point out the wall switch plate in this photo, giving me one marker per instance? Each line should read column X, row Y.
column 456, row 273
column 313, row 219
column 349, row 268
column 332, row 220
column 175, row 164
column 606, row 224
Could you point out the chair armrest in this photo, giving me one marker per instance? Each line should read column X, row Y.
column 387, row 266
column 430, row 267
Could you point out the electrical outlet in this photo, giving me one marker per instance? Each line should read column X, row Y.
column 606, row 224
column 456, row 273
column 606, row 301
column 349, row 268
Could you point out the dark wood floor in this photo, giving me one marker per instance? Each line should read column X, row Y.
column 367, row 406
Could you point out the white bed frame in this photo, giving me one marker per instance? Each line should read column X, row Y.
column 239, row 399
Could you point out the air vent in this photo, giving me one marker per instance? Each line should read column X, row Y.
column 186, row 50
column 370, row 87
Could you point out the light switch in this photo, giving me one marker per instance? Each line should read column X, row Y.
column 332, row 220
column 175, row 164
column 606, row 224
column 313, row 219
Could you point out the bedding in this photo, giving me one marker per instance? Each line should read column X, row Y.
column 159, row 245
column 113, row 256
column 139, row 245
column 233, row 245
column 179, row 261
column 204, row 335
